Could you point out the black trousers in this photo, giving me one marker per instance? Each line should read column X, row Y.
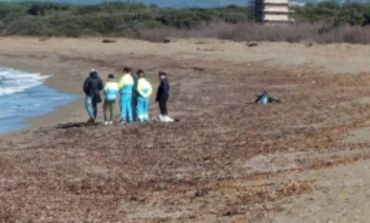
column 163, row 105
column 133, row 105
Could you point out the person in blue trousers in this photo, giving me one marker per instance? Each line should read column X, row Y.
column 144, row 90
column 92, row 86
column 125, row 86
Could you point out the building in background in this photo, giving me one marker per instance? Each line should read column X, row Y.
column 272, row 11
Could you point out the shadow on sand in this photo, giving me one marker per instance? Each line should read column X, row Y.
column 75, row 125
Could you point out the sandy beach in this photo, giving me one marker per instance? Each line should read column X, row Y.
column 227, row 160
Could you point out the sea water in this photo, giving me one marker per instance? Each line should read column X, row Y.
column 23, row 95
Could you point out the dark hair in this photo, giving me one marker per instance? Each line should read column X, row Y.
column 140, row 73
column 111, row 76
column 160, row 73
column 126, row 69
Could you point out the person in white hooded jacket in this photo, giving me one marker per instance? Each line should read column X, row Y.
column 144, row 91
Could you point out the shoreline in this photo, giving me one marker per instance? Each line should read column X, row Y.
column 51, row 118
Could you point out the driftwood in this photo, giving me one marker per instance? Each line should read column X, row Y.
column 252, row 44
column 108, row 41
column 167, row 40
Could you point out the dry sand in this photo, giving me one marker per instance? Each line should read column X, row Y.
column 305, row 160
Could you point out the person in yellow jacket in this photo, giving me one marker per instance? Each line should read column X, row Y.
column 144, row 90
column 126, row 85
column 110, row 93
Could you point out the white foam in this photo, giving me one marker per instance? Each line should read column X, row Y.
column 12, row 81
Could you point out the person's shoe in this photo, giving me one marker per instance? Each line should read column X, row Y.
column 110, row 122
column 106, row 123
column 166, row 118
column 161, row 118
column 90, row 121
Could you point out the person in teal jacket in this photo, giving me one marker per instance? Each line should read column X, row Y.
column 110, row 93
column 265, row 98
column 125, row 86
column 144, row 90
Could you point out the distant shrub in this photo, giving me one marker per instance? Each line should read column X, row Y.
column 257, row 32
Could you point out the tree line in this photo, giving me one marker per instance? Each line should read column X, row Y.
column 351, row 13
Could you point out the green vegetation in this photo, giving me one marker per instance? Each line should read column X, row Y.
column 330, row 11
column 111, row 19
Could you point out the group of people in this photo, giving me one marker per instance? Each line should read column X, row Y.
column 134, row 92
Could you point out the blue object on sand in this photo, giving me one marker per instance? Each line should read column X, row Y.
column 264, row 99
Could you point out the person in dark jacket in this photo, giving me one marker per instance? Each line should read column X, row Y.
column 92, row 86
column 265, row 98
column 163, row 93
